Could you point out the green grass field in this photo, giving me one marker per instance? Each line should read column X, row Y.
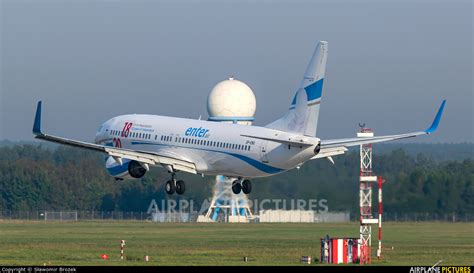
column 82, row 243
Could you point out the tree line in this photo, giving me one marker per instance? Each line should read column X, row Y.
column 33, row 177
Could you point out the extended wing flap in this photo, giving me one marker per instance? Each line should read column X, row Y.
column 328, row 152
column 153, row 159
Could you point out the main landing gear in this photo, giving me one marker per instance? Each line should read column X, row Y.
column 174, row 185
column 241, row 185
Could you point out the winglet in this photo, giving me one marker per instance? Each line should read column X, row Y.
column 437, row 119
column 37, row 124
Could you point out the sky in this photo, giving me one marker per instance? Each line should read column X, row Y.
column 390, row 63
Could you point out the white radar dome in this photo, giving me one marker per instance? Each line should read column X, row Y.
column 231, row 100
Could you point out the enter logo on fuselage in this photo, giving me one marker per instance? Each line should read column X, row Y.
column 196, row 132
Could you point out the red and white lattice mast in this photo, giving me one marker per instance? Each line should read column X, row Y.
column 367, row 178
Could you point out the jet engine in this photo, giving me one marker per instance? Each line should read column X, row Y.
column 317, row 149
column 128, row 169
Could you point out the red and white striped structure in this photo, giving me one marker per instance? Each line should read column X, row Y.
column 340, row 250
column 343, row 252
column 367, row 178
column 380, row 183
column 122, row 246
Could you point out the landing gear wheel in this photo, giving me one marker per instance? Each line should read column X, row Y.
column 246, row 186
column 180, row 187
column 236, row 187
column 170, row 187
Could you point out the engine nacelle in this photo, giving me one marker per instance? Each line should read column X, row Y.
column 317, row 149
column 128, row 169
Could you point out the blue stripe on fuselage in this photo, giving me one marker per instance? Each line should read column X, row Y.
column 255, row 163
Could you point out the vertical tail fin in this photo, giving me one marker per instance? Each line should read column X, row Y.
column 303, row 114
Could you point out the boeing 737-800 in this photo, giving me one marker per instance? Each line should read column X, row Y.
column 134, row 143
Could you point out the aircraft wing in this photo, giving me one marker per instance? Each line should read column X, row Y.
column 143, row 157
column 339, row 146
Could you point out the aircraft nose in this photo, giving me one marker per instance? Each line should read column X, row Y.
column 100, row 134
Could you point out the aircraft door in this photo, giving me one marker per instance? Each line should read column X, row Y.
column 263, row 151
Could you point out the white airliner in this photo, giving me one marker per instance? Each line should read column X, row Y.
column 135, row 142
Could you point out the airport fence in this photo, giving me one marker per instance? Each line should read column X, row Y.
column 83, row 215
